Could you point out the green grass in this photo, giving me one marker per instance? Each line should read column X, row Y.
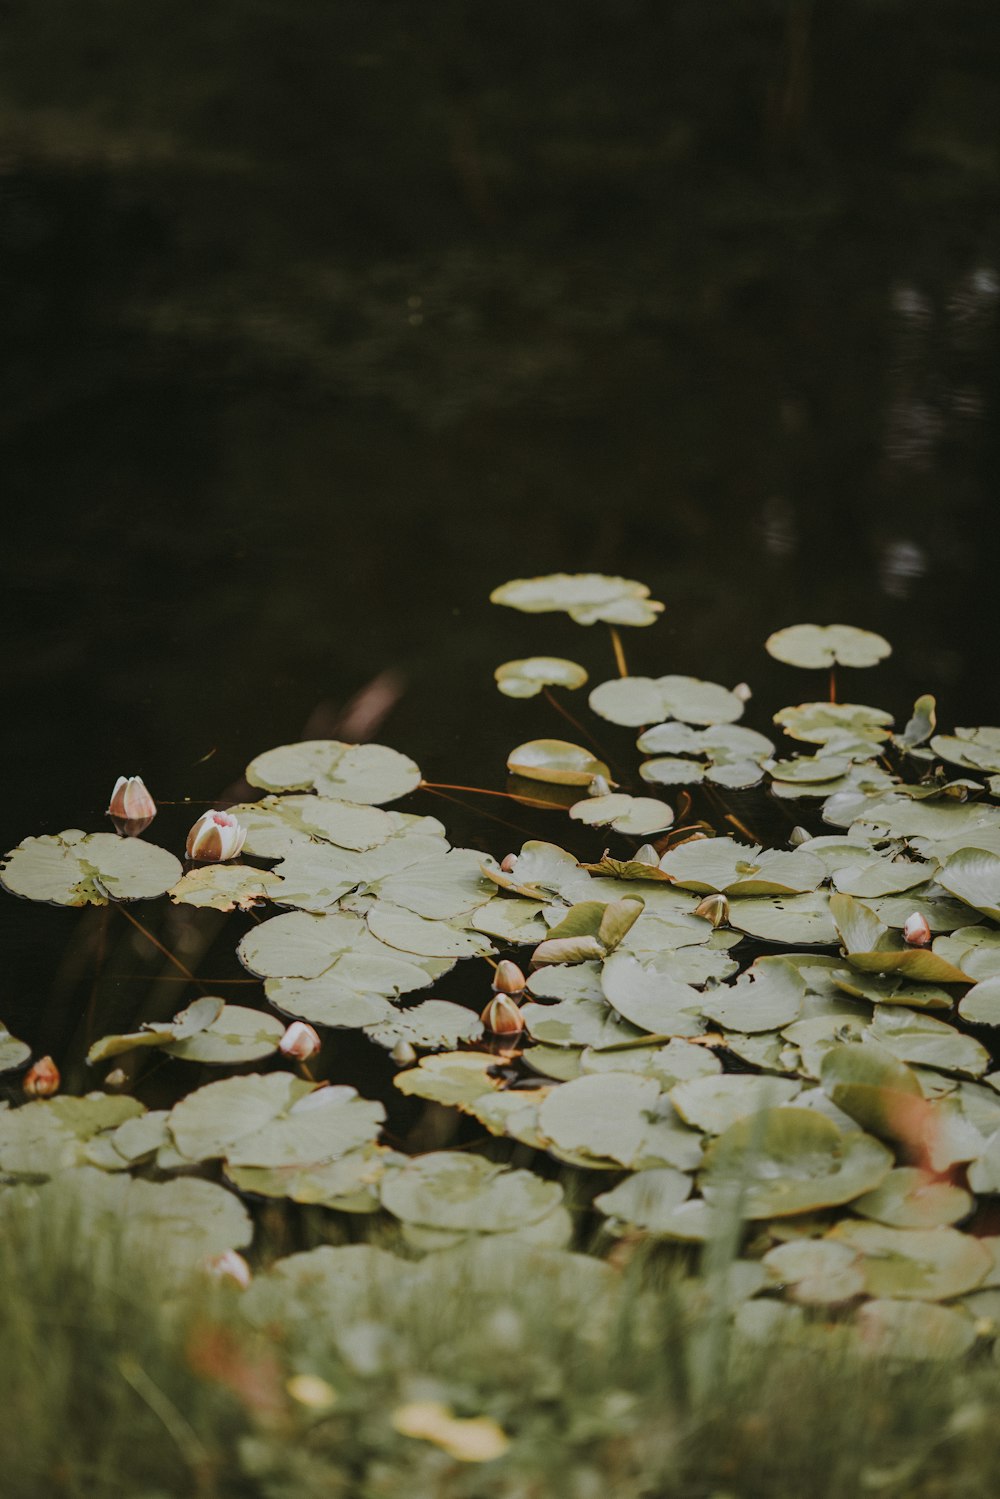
column 114, row 1383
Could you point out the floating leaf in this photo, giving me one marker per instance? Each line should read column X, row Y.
column 367, row 773
column 733, row 755
column 578, row 1022
column 586, row 597
column 902, row 1330
column 49, row 1135
column 736, row 869
column 817, row 646
column 645, row 1200
column 974, row 876
column 972, row 749
column 434, row 1023
column 921, row 1039
column 211, row 1120
column 819, row 723
column 465, row 1192
column 426, row 938
column 671, row 1064
column 275, row 824
column 458, row 1078
column 816, row 1272
column 79, row 869
column 557, row 762
column 791, row 1160
column 915, row 1264
column 349, row 1185
column 797, row 920
column 604, row 1115
column 634, row 701
column 632, row 815
column 911, row 1198
column 13, row 1053
column 642, row 994
column 981, row 1005
column 588, row 931
column 224, row 887
column 766, row 997
column 874, row 1087
column 921, row 724
column 714, row 1103
column 527, row 678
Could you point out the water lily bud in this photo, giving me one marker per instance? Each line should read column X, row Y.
column 42, row 1080
column 230, row 1266
column 508, row 864
column 916, row 931
column 714, row 908
column 131, row 807
column 508, row 978
column 215, row 836
column 743, row 692
column 117, row 1078
column 403, row 1054
column 599, row 787
column 646, row 855
column 502, row 1017
column 299, row 1041
column 798, row 836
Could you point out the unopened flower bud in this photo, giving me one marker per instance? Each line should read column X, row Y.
column 508, row 978
column 646, row 855
column 42, row 1080
column 502, row 1017
column 798, row 836
column 508, row 864
column 916, row 931
column 714, row 908
column 299, row 1041
column 131, row 807
column 403, row 1054
column 116, row 1078
column 743, row 692
column 599, row 786
column 230, row 1266
column 215, row 836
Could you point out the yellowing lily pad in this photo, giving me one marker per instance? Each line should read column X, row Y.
column 527, row 678
column 557, row 762
column 586, row 597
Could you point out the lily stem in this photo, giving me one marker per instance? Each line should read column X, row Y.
column 160, row 948
column 527, row 801
column 550, row 697
column 833, row 684
column 619, row 650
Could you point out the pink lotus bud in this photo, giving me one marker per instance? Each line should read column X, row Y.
column 508, row 978
column 502, row 1017
column 714, row 908
column 131, row 807
column 743, row 692
column 215, row 836
column 230, row 1266
column 300, row 1041
column 404, row 1054
column 42, row 1080
column 508, row 864
column 916, row 931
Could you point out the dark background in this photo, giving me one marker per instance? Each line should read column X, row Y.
column 323, row 317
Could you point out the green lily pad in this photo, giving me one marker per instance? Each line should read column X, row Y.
column 635, row 701
column 557, row 762
column 796, row 920
column 893, row 1329
column 511, row 921
column 80, row 869
column 973, row 749
column 732, row 754
column 433, row 1024
column 605, row 1115
column 226, row 887
column 791, row 1160
column 409, row 933
column 676, row 1062
column 348, row 1185
column 588, row 931
column 49, row 1135
column 645, row 1200
column 646, row 997
column 981, row 1005
column 877, row 876
column 891, row 989
column 922, row 1040
column 910, row 1198
column 13, row 1053
column 527, row 678
column 766, row 997
column 562, row 1063
column 874, row 1087
column 461, row 1192
column 722, row 865
column 275, row 824
column 809, row 770
column 713, row 1104
column 974, row 876
column 633, row 815
column 823, row 646
column 237, row 1119
column 209, row 1031
column 815, row 1272
column 921, row 724
column 930, row 1264
column 586, row 597
column 457, row 1078
column 577, row 1023
column 819, row 723
column 367, row 773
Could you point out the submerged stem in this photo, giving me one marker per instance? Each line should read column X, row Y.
column 619, row 650
column 580, row 728
column 833, row 684
column 527, row 801
column 160, row 947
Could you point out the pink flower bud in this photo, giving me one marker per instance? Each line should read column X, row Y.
column 508, row 863
column 131, row 807
column 300, row 1041
column 404, row 1054
column 508, row 978
column 502, row 1017
column 714, row 908
column 42, row 1080
column 230, row 1266
column 916, row 931
column 215, row 836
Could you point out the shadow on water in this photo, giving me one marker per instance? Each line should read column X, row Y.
column 322, row 320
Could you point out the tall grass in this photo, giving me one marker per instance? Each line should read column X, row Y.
column 115, row 1381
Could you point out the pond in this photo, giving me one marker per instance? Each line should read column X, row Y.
column 321, row 334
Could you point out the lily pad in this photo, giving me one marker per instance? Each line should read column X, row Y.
column 367, row 773
column 911, row 1198
column 875, row 1087
column 769, row 995
column 462, row 1192
column 433, row 1024
column 79, row 869
column 981, row 1005
column 635, row 701
column 49, row 1135
column 645, row 1200
column 795, row 920
column 588, row 931
column 893, row 1329
column 556, row 761
column 226, row 887
column 926, row 1042
column 974, row 876
column 642, row 994
column 633, row 815
column 973, row 749
column 931, row 1264
column 13, row 1053
column 276, row 824
column 821, row 723
column 725, row 754
column 586, row 597
column 816, row 1272
column 791, row 1160
column 458, row 1078
column 527, row 678
column 578, row 1022
column 713, row 1104
column 823, row 646
column 604, row 1115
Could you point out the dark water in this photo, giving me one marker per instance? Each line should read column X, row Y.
column 324, row 317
